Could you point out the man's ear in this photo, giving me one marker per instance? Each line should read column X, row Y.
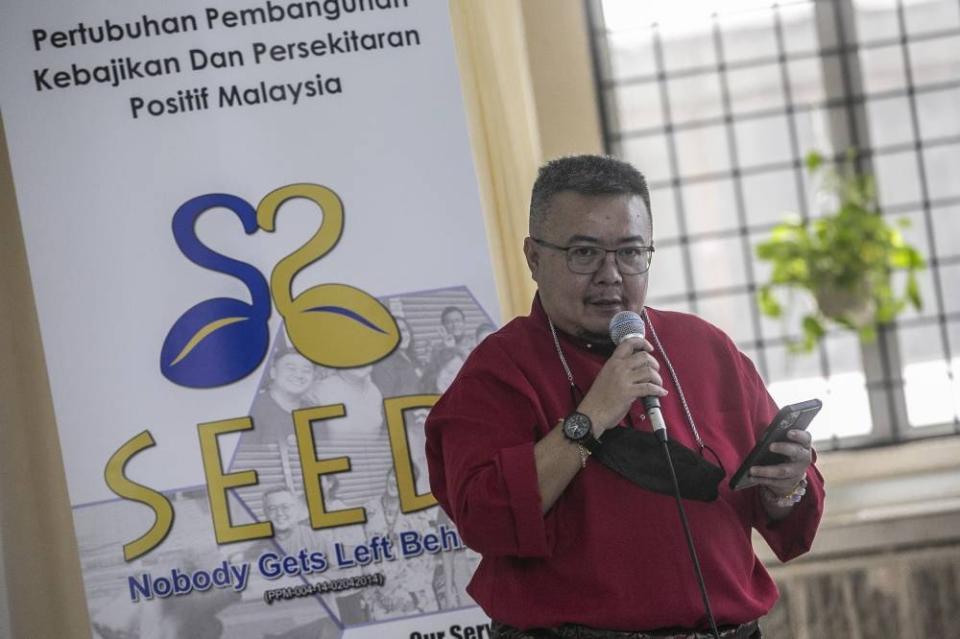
column 532, row 252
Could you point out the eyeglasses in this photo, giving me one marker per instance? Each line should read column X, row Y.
column 584, row 259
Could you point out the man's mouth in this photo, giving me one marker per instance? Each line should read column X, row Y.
column 606, row 303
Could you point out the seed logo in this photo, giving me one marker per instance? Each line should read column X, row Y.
column 222, row 340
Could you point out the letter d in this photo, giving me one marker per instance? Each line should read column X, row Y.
column 221, row 575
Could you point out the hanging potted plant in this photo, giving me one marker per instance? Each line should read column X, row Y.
column 844, row 259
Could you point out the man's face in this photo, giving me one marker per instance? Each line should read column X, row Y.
column 455, row 323
column 582, row 305
column 293, row 373
column 283, row 509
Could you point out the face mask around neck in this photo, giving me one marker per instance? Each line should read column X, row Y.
column 637, row 456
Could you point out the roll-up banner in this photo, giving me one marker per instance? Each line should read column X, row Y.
column 258, row 255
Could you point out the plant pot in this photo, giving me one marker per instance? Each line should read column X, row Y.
column 853, row 305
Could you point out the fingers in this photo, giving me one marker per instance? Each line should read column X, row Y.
column 650, row 389
column 799, row 457
column 642, row 377
column 635, row 353
column 642, row 359
column 633, row 345
column 781, row 478
column 795, row 452
column 780, row 472
column 649, row 384
column 778, row 486
column 802, row 437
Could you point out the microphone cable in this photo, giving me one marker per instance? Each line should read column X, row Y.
column 625, row 325
column 662, row 436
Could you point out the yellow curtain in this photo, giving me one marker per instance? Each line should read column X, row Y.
column 501, row 111
column 39, row 548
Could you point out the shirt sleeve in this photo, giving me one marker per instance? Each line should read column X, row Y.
column 793, row 535
column 480, row 441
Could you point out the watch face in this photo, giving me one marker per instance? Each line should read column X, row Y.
column 577, row 426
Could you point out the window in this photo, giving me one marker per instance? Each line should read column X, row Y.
column 719, row 102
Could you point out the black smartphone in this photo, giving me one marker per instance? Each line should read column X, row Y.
column 792, row 416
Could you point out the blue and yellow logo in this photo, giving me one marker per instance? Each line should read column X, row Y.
column 222, row 340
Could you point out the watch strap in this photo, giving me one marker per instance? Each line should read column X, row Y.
column 588, row 441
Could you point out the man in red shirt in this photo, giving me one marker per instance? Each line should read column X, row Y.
column 571, row 548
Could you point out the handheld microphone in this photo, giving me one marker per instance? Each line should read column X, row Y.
column 627, row 325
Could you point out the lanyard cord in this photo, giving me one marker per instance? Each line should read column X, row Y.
column 676, row 381
column 563, row 360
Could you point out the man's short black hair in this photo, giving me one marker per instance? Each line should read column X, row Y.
column 586, row 175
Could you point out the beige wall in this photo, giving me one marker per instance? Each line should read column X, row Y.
column 526, row 79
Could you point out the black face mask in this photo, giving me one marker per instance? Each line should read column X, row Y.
column 637, row 455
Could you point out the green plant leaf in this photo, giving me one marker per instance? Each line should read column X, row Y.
column 813, row 332
column 913, row 292
column 888, row 310
column 814, row 161
column 901, row 257
column 868, row 333
column 917, row 262
column 768, row 303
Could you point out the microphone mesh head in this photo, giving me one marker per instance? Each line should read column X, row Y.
column 626, row 323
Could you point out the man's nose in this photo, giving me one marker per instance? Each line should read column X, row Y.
column 609, row 271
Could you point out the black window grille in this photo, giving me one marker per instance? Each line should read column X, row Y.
column 720, row 113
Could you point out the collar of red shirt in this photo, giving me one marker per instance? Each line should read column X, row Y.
column 538, row 313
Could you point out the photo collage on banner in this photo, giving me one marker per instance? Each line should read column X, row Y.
column 438, row 330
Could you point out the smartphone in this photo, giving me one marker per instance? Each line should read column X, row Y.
column 792, row 416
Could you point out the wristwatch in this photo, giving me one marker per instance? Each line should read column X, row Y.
column 579, row 429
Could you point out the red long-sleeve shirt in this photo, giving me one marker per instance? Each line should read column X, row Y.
column 608, row 554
